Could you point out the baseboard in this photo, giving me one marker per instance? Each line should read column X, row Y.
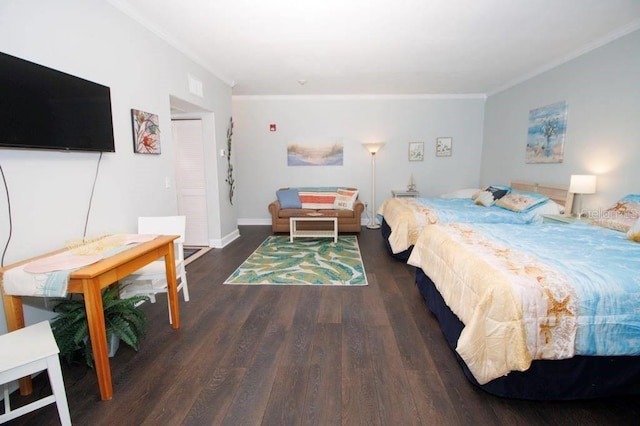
column 250, row 221
column 222, row 242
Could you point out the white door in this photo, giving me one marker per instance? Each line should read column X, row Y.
column 190, row 180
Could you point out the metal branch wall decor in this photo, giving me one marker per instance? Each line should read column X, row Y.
column 229, row 178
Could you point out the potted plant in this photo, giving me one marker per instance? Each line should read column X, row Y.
column 123, row 321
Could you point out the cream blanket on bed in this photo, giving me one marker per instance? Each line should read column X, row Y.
column 406, row 218
column 515, row 308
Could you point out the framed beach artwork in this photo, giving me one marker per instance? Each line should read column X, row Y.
column 546, row 134
column 315, row 155
column 443, row 147
column 146, row 132
column 416, row 151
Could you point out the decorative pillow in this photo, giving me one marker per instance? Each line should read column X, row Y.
column 634, row 232
column 497, row 191
column 461, row 193
column 345, row 199
column 622, row 215
column 289, row 198
column 484, row 198
column 521, row 201
column 490, row 195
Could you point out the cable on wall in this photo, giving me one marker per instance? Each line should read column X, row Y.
column 6, row 190
column 95, row 179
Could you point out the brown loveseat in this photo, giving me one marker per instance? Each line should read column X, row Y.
column 316, row 202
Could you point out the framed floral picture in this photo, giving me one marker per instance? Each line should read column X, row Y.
column 416, row 151
column 443, row 147
column 146, row 132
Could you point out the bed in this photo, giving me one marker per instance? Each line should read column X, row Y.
column 548, row 312
column 404, row 218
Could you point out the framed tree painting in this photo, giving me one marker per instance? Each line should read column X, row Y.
column 146, row 132
column 546, row 133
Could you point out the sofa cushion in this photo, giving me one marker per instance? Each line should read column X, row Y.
column 289, row 198
column 345, row 199
column 336, row 213
column 286, row 213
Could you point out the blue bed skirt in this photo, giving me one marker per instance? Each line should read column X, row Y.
column 386, row 231
column 580, row 377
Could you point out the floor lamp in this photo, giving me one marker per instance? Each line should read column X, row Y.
column 373, row 148
column 582, row 184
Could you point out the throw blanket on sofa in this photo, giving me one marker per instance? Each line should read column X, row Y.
column 318, row 198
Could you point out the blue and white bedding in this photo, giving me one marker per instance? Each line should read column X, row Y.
column 407, row 216
column 525, row 293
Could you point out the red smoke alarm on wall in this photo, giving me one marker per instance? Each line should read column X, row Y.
column 272, row 127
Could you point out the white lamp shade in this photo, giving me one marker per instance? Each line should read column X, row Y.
column 582, row 184
column 373, row 148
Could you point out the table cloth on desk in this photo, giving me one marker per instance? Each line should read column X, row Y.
column 49, row 276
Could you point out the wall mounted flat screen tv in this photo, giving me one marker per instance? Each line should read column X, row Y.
column 41, row 108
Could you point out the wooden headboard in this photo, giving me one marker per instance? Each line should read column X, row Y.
column 558, row 193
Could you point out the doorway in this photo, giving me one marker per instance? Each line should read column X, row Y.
column 190, row 179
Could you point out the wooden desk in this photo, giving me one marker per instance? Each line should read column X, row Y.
column 89, row 281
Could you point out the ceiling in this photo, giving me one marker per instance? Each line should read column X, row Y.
column 391, row 47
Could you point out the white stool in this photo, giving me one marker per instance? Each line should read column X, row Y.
column 27, row 351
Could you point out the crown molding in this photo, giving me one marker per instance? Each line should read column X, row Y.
column 612, row 36
column 481, row 96
column 126, row 9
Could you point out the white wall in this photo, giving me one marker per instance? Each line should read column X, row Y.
column 602, row 89
column 261, row 155
column 50, row 190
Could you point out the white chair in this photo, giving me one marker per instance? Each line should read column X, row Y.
column 152, row 279
column 27, row 351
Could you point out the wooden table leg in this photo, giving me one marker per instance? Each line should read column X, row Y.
column 14, row 314
column 98, row 336
column 172, row 286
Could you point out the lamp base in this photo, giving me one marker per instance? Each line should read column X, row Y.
column 374, row 226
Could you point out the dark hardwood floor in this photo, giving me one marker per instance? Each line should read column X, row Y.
column 286, row 355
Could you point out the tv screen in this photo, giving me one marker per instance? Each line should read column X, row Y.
column 41, row 108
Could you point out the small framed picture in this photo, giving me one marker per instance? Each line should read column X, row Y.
column 146, row 132
column 416, row 151
column 443, row 147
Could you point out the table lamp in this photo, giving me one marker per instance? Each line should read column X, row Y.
column 580, row 185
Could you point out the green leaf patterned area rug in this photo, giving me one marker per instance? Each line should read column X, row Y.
column 307, row 261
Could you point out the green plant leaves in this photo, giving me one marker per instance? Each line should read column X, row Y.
column 122, row 318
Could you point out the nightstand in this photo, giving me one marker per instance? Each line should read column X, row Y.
column 399, row 193
column 559, row 218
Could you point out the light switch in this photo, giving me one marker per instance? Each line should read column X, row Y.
column 222, row 153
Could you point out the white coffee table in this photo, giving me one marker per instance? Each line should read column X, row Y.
column 294, row 232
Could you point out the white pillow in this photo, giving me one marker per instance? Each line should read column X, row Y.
column 461, row 193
